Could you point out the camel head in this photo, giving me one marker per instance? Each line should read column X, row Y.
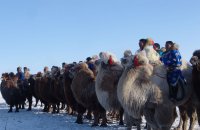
column 140, row 59
column 55, row 71
column 74, row 70
column 69, row 66
column 127, row 60
column 39, row 74
column 195, row 60
column 141, row 64
column 11, row 75
column 5, row 76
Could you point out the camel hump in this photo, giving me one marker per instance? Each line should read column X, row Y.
column 117, row 67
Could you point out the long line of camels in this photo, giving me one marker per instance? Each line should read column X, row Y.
column 107, row 85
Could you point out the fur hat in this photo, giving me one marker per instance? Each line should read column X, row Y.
column 150, row 41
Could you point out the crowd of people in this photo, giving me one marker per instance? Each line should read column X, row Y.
column 169, row 56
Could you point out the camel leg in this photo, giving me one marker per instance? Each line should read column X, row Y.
column 23, row 104
column 183, row 118
column 104, row 119
column 36, row 102
column 138, row 122
column 185, row 121
column 193, row 118
column 96, row 118
column 62, row 106
column 54, row 109
column 81, row 110
column 198, row 114
column 41, row 104
column 45, row 108
column 20, row 106
column 79, row 119
column 148, row 127
column 58, row 108
column 89, row 115
column 30, row 103
column 70, row 111
column 10, row 110
column 165, row 128
column 180, row 124
column 121, row 112
column 17, row 109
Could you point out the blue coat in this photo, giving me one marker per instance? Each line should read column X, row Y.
column 20, row 75
column 173, row 60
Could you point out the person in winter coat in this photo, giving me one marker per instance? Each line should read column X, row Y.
column 20, row 74
column 172, row 60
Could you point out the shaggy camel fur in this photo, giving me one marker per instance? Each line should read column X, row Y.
column 46, row 91
column 144, row 90
column 83, row 88
column 109, row 72
column 12, row 94
column 186, row 105
column 187, row 112
column 69, row 97
column 195, row 61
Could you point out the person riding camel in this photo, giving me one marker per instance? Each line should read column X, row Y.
column 142, row 43
column 20, row 74
column 172, row 60
column 146, row 47
column 157, row 48
column 26, row 73
column 46, row 72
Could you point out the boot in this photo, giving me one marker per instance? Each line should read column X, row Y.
column 171, row 92
column 175, row 91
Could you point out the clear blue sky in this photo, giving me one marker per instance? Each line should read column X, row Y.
column 36, row 33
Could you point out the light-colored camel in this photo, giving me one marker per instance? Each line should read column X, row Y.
column 143, row 90
column 186, row 105
column 109, row 72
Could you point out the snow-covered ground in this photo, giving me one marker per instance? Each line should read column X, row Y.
column 38, row 120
